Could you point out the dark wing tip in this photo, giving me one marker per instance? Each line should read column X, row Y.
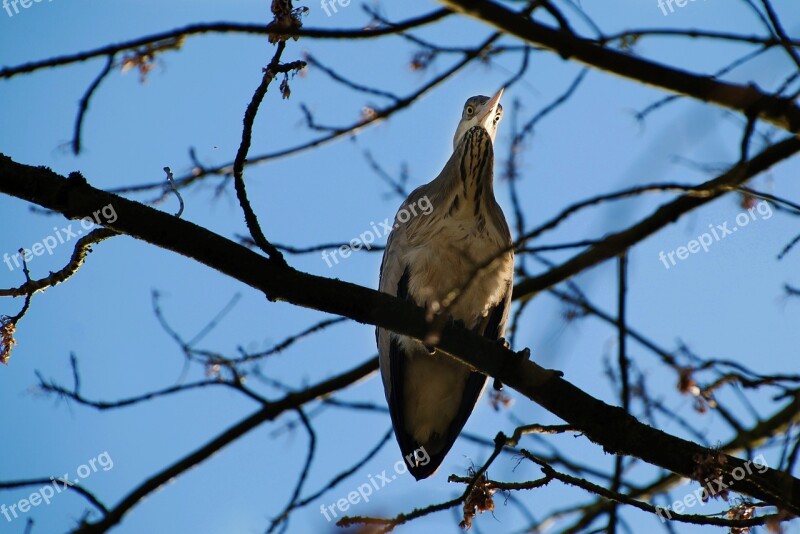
column 409, row 446
column 420, row 472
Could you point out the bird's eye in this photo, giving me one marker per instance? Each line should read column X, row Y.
column 470, row 110
column 497, row 118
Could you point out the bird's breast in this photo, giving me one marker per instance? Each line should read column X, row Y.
column 459, row 256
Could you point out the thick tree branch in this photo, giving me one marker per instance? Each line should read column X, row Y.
column 609, row 426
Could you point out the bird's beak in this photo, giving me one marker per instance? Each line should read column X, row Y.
column 487, row 113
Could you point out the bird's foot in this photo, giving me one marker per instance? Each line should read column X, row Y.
column 524, row 354
column 437, row 324
column 437, row 320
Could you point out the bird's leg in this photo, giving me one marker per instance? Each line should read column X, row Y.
column 439, row 321
column 434, row 335
column 524, row 354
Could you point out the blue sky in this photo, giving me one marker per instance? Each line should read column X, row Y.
column 723, row 303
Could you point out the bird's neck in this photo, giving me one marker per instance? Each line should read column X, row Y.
column 467, row 179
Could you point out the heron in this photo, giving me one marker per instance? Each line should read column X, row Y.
column 463, row 245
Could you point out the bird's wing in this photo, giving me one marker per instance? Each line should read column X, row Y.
column 393, row 267
column 395, row 396
column 394, row 280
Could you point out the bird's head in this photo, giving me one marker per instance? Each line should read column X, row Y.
column 480, row 111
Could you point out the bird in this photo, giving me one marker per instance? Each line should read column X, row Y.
column 462, row 244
